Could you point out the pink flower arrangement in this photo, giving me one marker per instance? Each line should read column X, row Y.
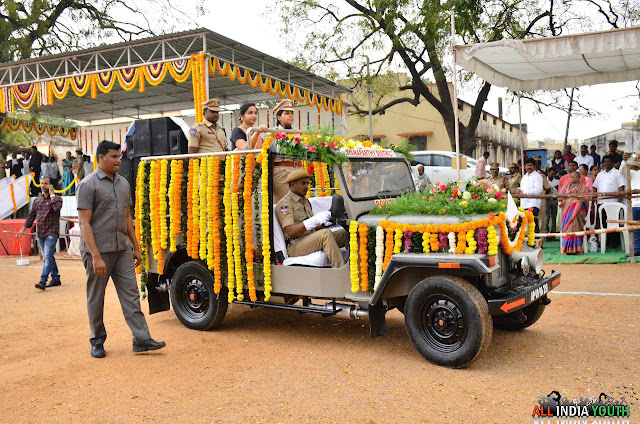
column 296, row 139
column 443, row 188
column 321, row 144
column 311, row 148
column 280, row 135
column 437, row 183
column 483, row 242
column 475, row 196
column 499, row 195
column 332, row 145
column 433, row 191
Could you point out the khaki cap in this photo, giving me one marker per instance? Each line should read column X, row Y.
column 495, row 165
column 634, row 163
column 297, row 175
column 286, row 104
column 212, row 104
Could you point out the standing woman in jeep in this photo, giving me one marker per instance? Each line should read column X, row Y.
column 248, row 118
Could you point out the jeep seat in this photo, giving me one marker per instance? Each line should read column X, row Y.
column 315, row 259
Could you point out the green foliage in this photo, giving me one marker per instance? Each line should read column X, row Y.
column 405, row 147
column 446, row 200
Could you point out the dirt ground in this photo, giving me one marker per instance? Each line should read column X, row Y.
column 267, row 366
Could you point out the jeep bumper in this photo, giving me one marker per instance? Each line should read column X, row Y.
column 526, row 291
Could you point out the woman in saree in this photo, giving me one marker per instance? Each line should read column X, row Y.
column 67, row 174
column 574, row 212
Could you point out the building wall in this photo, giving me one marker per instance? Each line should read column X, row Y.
column 628, row 140
column 493, row 134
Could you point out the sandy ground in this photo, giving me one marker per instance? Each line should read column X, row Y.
column 277, row 366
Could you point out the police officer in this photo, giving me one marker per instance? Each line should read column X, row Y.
column 208, row 136
column 109, row 248
column 283, row 167
column 305, row 231
column 495, row 177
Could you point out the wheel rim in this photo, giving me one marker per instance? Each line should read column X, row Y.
column 194, row 298
column 442, row 323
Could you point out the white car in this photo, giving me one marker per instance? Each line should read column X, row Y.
column 437, row 166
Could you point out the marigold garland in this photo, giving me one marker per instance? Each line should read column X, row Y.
column 353, row 256
column 214, row 234
column 471, row 243
column 138, row 211
column 248, row 225
column 492, row 240
column 175, row 198
column 203, row 208
column 426, row 242
column 153, row 200
column 531, row 235
column 263, row 159
column 462, row 242
column 236, row 246
column 434, row 242
column 195, row 227
column 397, row 245
column 326, row 179
column 163, row 204
column 388, row 251
column 228, row 229
column 190, row 209
column 364, row 254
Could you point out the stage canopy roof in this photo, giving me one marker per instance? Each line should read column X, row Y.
column 554, row 63
column 155, row 75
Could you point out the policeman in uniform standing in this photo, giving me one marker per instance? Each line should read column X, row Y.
column 208, row 136
column 304, row 231
column 283, row 167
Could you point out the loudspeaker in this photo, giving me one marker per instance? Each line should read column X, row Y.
column 177, row 143
column 142, row 138
column 160, row 144
column 130, row 141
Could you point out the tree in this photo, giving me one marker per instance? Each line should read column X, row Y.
column 41, row 27
column 414, row 36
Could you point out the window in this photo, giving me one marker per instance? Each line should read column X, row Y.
column 460, row 106
column 495, row 121
column 419, row 141
column 371, row 179
column 422, row 160
column 484, row 116
column 502, row 124
column 441, row 160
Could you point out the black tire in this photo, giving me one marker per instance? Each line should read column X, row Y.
column 193, row 299
column 533, row 313
column 447, row 320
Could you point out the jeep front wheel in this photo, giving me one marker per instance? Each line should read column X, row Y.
column 448, row 321
column 193, row 299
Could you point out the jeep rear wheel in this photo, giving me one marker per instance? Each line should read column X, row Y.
column 193, row 299
column 448, row 321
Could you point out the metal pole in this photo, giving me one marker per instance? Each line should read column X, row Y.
column 455, row 92
column 521, row 134
column 566, row 132
column 369, row 94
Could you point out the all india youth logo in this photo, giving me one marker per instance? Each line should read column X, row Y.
column 556, row 408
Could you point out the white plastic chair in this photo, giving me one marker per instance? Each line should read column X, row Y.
column 587, row 226
column 614, row 210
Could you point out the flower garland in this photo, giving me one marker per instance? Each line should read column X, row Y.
column 195, row 227
column 211, row 223
column 138, row 211
column 492, row 241
column 388, row 251
column 379, row 255
column 248, row 225
column 175, row 203
column 462, row 242
column 364, row 263
column 190, row 209
column 531, row 234
column 397, row 245
column 203, row 208
column 163, row 205
column 326, row 179
column 154, row 200
column 353, row 256
column 228, row 229
column 452, row 242
column 408, row 241
column 319, row 179
column 215, row 231
column 426, row 242
column 471, row 243
column 235, row 216
column 263, row 159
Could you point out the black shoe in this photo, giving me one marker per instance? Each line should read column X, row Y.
column 148, row 344
column 40, row 286
column 53, row 283
column 97, row 351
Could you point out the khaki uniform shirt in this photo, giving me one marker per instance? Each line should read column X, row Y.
column 513, row 183
column 109, row 201
column 499, row 181
column 207, row 138
column 293, row 209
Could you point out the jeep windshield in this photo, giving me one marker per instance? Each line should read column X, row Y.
column 367, row 179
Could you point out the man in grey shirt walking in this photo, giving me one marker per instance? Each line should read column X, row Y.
column 109, row 248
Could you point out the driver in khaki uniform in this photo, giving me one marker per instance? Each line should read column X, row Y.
column 208, row 136
column 283, row 167
column 304, row 231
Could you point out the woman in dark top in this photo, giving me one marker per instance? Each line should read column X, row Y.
column 248, row 117
column 558, row 162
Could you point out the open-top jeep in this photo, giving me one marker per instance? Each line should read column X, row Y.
column 450, row 301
